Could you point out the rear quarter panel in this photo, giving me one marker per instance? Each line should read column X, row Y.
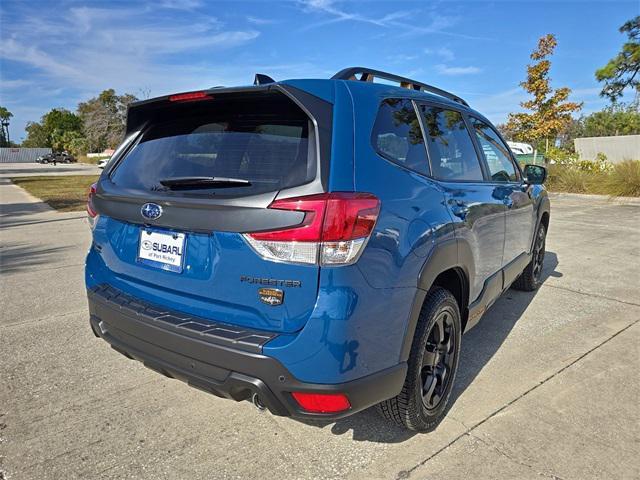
column 362, row 312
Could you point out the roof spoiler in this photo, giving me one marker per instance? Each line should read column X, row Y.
column 364, row 74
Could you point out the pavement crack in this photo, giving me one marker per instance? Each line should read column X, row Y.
column 512, row 458
column 406, row 473
column 589, row 294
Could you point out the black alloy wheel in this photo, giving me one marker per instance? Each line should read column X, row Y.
column 438, row 360
column 538, row 254
column 531, row 277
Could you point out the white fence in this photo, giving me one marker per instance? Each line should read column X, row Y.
column 617, row 149
column 21, row 155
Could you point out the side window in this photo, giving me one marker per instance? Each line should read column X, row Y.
column 495, row 152
column 453, row 156
column 397, row 135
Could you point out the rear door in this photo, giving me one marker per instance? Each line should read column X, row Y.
column 199, row 174
column 477, row 211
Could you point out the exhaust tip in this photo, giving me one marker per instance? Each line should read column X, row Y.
column 257, row 401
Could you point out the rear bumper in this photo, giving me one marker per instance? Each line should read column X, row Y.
column 224, row 360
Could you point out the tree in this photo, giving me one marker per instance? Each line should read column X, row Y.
column 36, row 136
column 622, row 70
column 5, row 115
column 573, row 130
column 104, row 118
column 550, row 110
column 616, row 119
column 505, row 131
column 52, row 129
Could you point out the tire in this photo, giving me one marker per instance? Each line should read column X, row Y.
column 531, row 277
column 422, row 403
column 44, row 162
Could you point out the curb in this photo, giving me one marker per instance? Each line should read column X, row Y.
column 606, row 198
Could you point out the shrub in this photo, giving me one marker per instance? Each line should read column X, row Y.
column 558, row 156
column 623, row 180
column 565, row 178
column 619, row 180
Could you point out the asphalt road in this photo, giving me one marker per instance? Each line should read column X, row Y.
column 35, row 169
column 548, row 385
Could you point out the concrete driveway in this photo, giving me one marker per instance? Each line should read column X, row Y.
column 548, row 385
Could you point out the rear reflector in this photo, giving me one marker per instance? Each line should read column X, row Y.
column 91, row 212
column 322, row 402
column 335, row 229
column 189, row 96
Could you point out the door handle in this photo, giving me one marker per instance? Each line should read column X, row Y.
column 459, row 208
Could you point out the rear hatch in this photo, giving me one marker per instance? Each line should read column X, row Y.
column 197, row 172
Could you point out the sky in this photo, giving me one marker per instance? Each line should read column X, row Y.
column 59, row 53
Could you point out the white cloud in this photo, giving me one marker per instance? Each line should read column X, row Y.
column 13, row 84
column 122, row 48
column 442, row 52
column 429, row 23
column 338, row 15
column 585, row 92
column 448, row 70
column 260, row 21
column 72, row 53
column 180, row 4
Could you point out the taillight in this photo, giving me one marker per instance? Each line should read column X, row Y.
column 334, row 231
column 91, row 212
column 189, row 97
column 322, row 402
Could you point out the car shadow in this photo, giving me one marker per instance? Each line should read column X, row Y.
column 11, row 210
column 479, row 345
column 18, row 257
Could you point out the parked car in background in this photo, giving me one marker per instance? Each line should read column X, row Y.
column 316, row 246
column 60, row 157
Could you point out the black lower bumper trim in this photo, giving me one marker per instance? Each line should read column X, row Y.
column 236, row 372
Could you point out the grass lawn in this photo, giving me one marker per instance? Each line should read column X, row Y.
column 64, row 193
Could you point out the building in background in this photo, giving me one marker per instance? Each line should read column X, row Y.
column 617, row 149
column 22, row 155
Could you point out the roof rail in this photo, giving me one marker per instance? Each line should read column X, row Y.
column 368, row 74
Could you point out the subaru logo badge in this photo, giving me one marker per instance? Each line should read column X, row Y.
column 151, row 211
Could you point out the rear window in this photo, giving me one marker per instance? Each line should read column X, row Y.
column 265, row 141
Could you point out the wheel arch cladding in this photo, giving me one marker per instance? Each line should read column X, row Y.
column 443, row 268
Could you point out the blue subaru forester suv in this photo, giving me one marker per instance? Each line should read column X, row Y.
column 315, row 246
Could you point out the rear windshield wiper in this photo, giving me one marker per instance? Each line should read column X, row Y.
column 175, row 183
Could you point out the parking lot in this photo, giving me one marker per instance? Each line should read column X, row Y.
column 548, row 385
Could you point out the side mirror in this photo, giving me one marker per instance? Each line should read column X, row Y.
column 535, row 174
